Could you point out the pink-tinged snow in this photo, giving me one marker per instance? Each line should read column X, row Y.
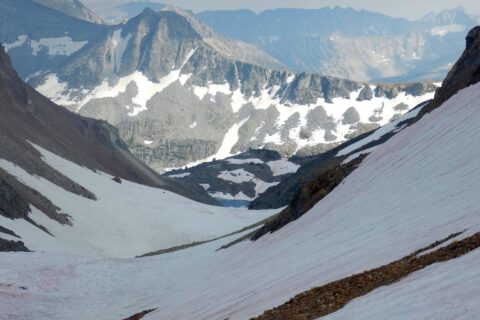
column 443, row 291
column 127, row 219
column 418, row 187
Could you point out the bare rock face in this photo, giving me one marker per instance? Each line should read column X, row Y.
column 12, row 205
column 179, row 93
column 464, row 73
column 365, row 94
column 12, row 246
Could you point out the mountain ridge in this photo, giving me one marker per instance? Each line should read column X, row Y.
column 138, row 75
column 390, row 49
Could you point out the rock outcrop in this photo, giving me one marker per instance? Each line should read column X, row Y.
column 464, row 73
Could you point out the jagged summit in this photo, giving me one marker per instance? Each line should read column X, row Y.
column 232, row 49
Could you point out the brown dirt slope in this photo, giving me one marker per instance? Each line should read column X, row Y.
column 331, row 297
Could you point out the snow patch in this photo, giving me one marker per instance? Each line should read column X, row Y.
column 282, row 166
column 55, row 90
column 236, row 176
column 244, row 161
column 146, row 88
column 179, row 175
column 63, row 46
column 441, row 31
column 229, row 141
column 17, row 43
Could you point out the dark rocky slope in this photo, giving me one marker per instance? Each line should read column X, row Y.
column 464, row 73
column 309, row 194
column 30, row 119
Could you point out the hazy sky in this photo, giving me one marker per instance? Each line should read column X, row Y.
column 411, row 9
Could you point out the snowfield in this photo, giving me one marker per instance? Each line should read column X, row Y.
column 127, row 219
column 419, row 187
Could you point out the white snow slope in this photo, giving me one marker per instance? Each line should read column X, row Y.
column 419, row 187
column 128, row 219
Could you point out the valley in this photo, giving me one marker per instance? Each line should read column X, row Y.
column 160, row 163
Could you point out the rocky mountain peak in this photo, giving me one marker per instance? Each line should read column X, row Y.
column 177, row 25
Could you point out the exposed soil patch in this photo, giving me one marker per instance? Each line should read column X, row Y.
column 140, row 315
column 331, row 297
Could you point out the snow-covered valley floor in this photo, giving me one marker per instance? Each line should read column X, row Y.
column 126, row 220
column 419, row 187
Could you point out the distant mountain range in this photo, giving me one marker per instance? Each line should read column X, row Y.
column 348, row 43
column 389, row 235
column 181, row 94
column 343, row 42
